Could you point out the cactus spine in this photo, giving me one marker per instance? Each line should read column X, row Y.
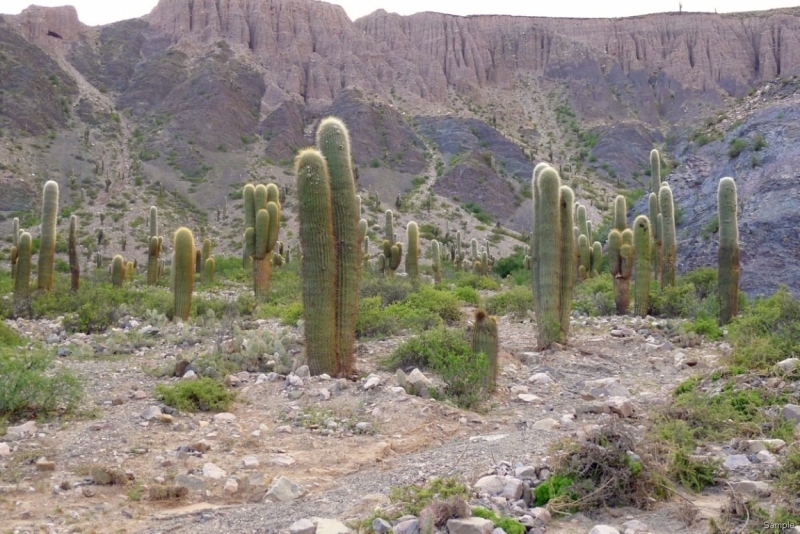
column 668, row 236
column 641, row 236
column 436, row 261
column 318, row 260
column 183, row 272
column 728, row 254
column 22, row 286
column 154, row 248
column 117, row 271
column 47, row 246
column 72, row 246
column 412, row 254
column 333, row 141
column 485, row 341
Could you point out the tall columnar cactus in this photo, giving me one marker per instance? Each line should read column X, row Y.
column 388, row 228
column 549, row 262
column 267, row 225
column 655, row 171
column 620, row 264
column 208, row 271
column 249, row 246
column 183, row 272
column 620, row 213
column 641, row 238
column 597, row 257
column 206, row 254
column 586, row 256
column 436, row 261
column 14, row 247
column 130, row 269
column 583, row 226
column 669, row 240
column 412, row 253
column 728, row 255
column 198, row 261
column 117, row 271
column 567, row 202
column 473, row 250
column 318, row 261
column 485, row 341
column 22, row 286
column 535, row 260
column 72, row 247
column 154, row 248
column 47, row 246
column 333, row 141
column 655, row 238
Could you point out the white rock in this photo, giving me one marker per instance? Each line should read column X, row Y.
column 330, row 526
column 250, row 462
column 603, row 529
column 517, row 389
column 635, row 527
column 758, row 445
column 303, row 526
column 5, row 450
column 283, row 489
column 224, row 417
column 540, row 514
column 470, row 525
column 501, row 486
column 303, row 371
column 528, row 397
column 735, row 461
column 152, row 412
column 766, row 457
column 789, row 364
column 260, row 379
column 212, row 471
column 295, row 381
column 620, row 406
column 540, row 378
column 231, row 486
column 372, row 382
column 282, row 460
column 188, row 375
column 752, row 488
column 20, row 430
column 547, row 424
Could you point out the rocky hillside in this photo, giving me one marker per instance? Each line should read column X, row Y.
column 201, row 96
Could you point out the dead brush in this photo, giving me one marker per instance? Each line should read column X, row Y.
column 437, row 513
column 166, row 493
column 606, row 472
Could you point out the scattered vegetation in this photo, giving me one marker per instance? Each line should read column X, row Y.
column 204, row 394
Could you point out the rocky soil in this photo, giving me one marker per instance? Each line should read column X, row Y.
column 296, row 447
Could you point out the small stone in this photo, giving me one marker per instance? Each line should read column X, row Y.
column 517, row 389
column 381, row 526
column 547, row 424
column 190, row 482
column 420, row 384
column 303, row 371
column 363, row 426
column 283, row 489
column 212, row 471
column 525, row 472
column 789, row 364
column 325, row 393
column 409, row 526
column 500, row 486
column 5, row 450
column 528, row 398
column 540, row 378
column 620, row 406
column 295, row 394
column 44, row 464
column 766, row 457
column 152, row 412
column 635, row 526
column 470, row 525
column 224, row 417
column 302, row 526
column 119, row 400
column 250, row 462
column 603, row 529
column 232, row 381
column 284, row 429
column 752, row 488
column 542, row 515
column 593, row 407
column 331, row 526
column 282, row 460
column 23, row 429
column 736, row 461
column 231, row 486
column 260, row 379
column 189, row 375
column 63, row 352
column 400, row 376
column 295, row 381
column 165, row 418
column 372, row 382
column 758, row 445
column 791, row 412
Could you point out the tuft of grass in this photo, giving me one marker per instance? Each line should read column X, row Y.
column 204, row 394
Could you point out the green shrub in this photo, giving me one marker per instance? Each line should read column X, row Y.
column 204, row 394
column 292, row 313
column 8, row 337
column 506, row 265
column 737, row 147
column 555, row 486
column 759, row 142
column 376, row 320
column 767, row 332
column 30, row 388
column 508, row 524
column 517, row 300
column 463, row 279
column 704, row 280
column 411, row 499
column 705, row 326
column 595, row 296
column 443, row 303
column 679, row 300
column 467, row 294
column 389, row 290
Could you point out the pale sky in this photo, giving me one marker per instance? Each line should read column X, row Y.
column 94, row 12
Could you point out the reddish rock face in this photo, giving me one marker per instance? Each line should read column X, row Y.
column 38, row 24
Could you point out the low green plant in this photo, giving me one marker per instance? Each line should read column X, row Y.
column 691, row 473
column 736, row 147
column 705, row 326
column 463, row 279
column 467, row 294
column 554, row 487
column 412, row 498
column 203, row 394
column 8, row 337
column 517, row 300
column 29, row 387
column 595, row 296
column 508, row 524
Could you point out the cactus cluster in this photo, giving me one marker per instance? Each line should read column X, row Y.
column 552, row 255
column 728, row 254
column 620, row 256
column 331, row 259
column 589, row 254
column 262, row 223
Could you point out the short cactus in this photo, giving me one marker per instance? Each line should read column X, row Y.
column 485, row 341
column 436, row 261
column 130, row 270
column 208, row 271
column 620, row 213
column 47, row 246
column 183, row 272
column 597, row 257
column 388, row 228
column 117, row 271
column 198, row 261
column 412, row 253
column 72, row 247
column 655, row 171
column 154, row 248
column 669, row 250
column 641, row 238
column 728, row 255
column 205, row 254
column 22, row 286
column 14, row 247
